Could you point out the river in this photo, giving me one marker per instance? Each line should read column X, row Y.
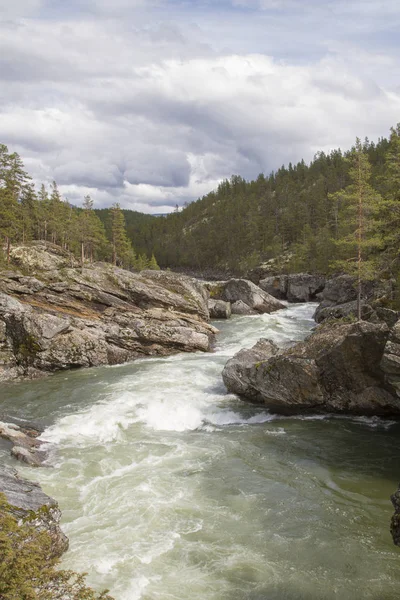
column 172, row 489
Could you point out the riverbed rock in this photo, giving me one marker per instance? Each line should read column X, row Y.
column 251, row 295
column 336, row 370
column 25, row 445
column 219, row 309
column 297, row 287
column 28, row 501
column 66, row 317
column 238, row 370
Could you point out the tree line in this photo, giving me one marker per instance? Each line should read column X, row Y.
column 340, row 212
column 27, row 214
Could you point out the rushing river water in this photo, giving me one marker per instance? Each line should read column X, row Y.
column 172, row 489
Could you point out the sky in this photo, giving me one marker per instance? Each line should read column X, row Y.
column 151, row 103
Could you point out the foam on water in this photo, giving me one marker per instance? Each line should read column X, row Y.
column 172, row 488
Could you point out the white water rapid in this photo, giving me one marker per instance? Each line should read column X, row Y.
column 172, row 489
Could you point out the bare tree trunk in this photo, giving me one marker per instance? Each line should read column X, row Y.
column 82, row 255
column 359, row 240
column 8, row 250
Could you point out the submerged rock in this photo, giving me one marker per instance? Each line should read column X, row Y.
column 27, row 501
column 336, row 370
column 65, row 317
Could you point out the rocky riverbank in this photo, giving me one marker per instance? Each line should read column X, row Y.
column 55, row 315
column 28, row 502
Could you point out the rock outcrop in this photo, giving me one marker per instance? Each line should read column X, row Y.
column 219, row 309
column 337, row 370
column 27, row 501
column 391, row 360
column 245, row 296
column 339, row 299
column 298, row 287
column 62, row 317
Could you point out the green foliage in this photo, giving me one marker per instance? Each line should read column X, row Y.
column 27, row 569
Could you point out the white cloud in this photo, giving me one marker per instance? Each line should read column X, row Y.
column 149, row 113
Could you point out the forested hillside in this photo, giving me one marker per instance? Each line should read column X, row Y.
column 341, row 212
column 309, row 211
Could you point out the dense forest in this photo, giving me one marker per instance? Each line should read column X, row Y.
column 27, row 214
column 309, row 212
column 340, row 212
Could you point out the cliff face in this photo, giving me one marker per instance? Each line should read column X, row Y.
column 55, row 315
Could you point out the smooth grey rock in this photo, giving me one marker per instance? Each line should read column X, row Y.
column 303, row 287
column 250, row 294
column 27, row 500
column 96, row 315
column 219, row 309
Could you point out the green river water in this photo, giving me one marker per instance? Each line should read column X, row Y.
column 172, row 489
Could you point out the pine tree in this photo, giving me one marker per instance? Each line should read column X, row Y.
column 361, row 205
column 153, row 265
column 122, row 252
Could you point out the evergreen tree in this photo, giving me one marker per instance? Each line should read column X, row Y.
column 361, row 206
column 122, row 252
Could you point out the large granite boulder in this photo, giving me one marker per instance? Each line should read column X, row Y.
column 27, row 501
column 65, row 317
column 336, row 370
column 298, row 287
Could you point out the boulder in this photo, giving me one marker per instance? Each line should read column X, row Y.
column 240, row 308
column 250, row 294
column 28, row 501
column 298, row 287
column 237, row 370
column 219, row 309
column 336, row 370
column 276, row 286
column 304, row 287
